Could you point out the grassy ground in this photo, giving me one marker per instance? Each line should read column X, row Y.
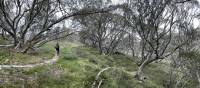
column 77, row 68
column 2, row 41
column 10, row 57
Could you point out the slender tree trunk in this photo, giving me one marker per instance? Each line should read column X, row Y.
column 3, row 35
column 15, row 41
column 100, row 47
column 198, row 77
column 133, row 52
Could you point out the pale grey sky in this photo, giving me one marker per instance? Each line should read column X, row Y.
column 195, row 21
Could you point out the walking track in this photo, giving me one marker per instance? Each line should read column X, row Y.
column 51, row 61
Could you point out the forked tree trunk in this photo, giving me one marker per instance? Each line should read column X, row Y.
column 26, row 50
column 140, row 72
column 21, row 47
column 18, row 46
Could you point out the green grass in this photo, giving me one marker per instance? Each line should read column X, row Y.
column 78, row 65
column 8, row 56
column 2, row 41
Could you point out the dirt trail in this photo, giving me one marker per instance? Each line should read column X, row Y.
column 51, row 61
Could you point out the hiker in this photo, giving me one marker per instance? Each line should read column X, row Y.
column 57, row 47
